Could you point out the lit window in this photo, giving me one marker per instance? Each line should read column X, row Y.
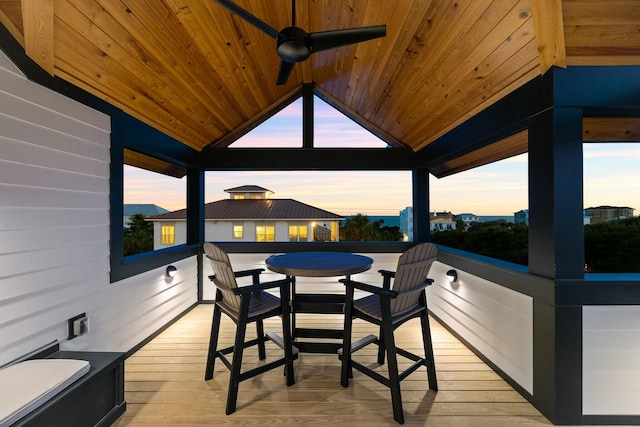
column 168, row 234
column 265, row 233
column 238, row 196
column 238, row 231
column 298, row 233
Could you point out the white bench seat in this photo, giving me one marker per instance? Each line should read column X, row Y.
column 29, row 384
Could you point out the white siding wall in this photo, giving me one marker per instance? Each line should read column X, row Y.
column 611, row 360
column 495, row 320
column 54, row 230
column 222, row 231
column 179, row 237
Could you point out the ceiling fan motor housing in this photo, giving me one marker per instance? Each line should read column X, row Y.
column 293, row 45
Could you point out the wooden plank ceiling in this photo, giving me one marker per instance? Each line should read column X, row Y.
column 196, row 72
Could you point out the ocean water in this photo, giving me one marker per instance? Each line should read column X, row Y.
column 486, row 218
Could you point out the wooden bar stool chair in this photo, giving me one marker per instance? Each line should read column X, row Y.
column 244, row 305
column 390, row 307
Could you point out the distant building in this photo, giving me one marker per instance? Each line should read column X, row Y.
column 250, row 215
column 521, row 216
column 600, row 214
column 443, row 223
column 406, row 223
column 467, row 219
column 438, row 221
column 145, row 209
column 442, row 214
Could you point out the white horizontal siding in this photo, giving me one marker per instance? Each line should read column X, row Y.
column 611, row 360
column 54, row 231
column 495, row 320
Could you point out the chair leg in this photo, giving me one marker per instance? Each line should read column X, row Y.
column 392, row 362
column 428, row 351
column 381, row 347
column 262, row 353
column 213, row 343
column 346, row 371
column 288, row 346
column 236, row 363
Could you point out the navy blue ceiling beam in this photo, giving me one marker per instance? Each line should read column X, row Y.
column 598, row 89
column 307, row 159
column 129, row 132
column 307, row 115
column 611, row 91
column 504, row 118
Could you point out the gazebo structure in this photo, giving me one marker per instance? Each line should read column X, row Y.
column 87, row 86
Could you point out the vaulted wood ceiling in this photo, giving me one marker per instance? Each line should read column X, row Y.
column 198, row 73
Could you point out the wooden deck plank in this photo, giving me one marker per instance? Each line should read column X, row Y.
column 164, row 385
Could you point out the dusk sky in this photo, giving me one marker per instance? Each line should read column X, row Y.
column 612, row 176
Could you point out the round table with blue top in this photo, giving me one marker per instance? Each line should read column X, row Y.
column 317, row 264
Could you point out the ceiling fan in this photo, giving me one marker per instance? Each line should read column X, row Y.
column 293, row 44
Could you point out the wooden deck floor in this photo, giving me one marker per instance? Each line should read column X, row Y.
column 164, row 385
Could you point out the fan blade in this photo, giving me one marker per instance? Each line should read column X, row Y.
column 284, row 72
column 323, row 40
column 263, row 26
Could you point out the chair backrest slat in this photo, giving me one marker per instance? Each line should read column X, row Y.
column 412, row 270
column 225, row 279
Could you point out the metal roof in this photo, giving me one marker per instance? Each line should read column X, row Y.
column 260, row 209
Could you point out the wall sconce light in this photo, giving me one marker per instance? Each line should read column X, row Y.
column 171, row 271
column 452, row 275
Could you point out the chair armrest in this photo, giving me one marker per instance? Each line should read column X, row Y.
column 389, row 273
column 370, row 288
column 417, row 288
column 255, row 272
column 256, row 287
column 245, row 273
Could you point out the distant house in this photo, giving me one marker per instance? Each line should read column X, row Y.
column 140, row 208
column 607, row 213
column 467, row 218
column 251, row 215
column 522, row 216
column 444, row 223
column 442, row 214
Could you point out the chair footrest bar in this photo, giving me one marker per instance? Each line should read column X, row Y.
column 361, row 343
column 336, row 334
column 371, row 373
column 261, row 369
column 224, row 359
column 404, row 374
column 247, row 344
column 277, row 339
column 408, row 355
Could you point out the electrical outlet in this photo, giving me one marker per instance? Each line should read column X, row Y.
column 78, row 325
column 81, row 326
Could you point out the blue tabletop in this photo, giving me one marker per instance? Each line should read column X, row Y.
column 319, row 264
